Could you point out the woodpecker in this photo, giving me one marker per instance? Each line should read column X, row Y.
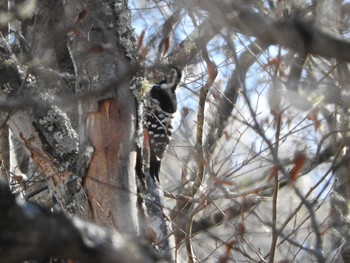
column 160, row 107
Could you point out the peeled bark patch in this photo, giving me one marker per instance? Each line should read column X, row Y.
column 108, row 182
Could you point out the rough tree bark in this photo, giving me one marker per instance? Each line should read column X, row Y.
column 88, row 156
column 99, row 46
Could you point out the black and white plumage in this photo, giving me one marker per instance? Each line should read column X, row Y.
column 160, row 107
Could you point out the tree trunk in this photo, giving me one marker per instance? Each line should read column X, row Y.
column 103, row 75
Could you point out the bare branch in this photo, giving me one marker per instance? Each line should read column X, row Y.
column 28, row 232
column 235, row 210
column 300, row 36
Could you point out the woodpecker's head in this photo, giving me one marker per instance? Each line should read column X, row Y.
column 173, row 77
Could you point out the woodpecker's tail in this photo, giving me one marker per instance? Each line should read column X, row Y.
column 154, row 167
